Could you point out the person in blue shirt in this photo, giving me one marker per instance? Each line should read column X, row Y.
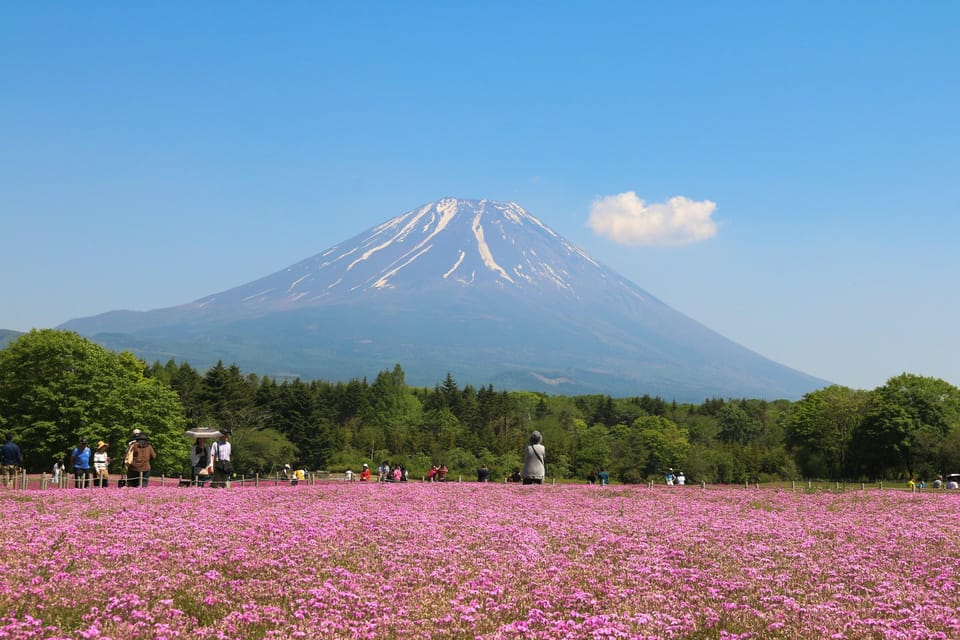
column 603, row 477
column 10, row 461
column 80, row 461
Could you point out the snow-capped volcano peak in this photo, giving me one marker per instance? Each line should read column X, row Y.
column 450, row 242
column 477, row 288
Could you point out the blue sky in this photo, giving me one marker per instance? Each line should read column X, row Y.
column 801, row 158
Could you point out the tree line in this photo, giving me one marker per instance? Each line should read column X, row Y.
column 56, row 386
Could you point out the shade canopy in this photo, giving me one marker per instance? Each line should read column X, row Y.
column 202, row 433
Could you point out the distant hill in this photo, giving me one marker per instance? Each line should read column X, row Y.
column 7, row 336
column 477, row 288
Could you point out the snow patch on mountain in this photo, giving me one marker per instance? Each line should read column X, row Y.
column 485, row 253
column 384, row 281
column 298, row 281
column 456, row 264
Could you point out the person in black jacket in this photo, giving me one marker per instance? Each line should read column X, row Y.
column 10, row 460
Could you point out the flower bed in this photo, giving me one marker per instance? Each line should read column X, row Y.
column 359, row 560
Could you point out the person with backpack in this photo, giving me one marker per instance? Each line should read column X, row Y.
column 141, row 453
column 128, row 458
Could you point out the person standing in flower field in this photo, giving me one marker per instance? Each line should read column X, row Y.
column 222, row 452
column 534, row 467
column 101, row 464
column 128, row 453
column 80, row 461
column 11, row 460
column 138, row 474
column 200, row 461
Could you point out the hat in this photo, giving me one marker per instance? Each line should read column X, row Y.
column 141, row 436
column 137, row 432
column 83, row 441
column 365, row 464
column 286, row 466
column 101, row 444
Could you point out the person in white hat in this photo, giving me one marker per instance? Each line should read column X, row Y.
column 101, row 463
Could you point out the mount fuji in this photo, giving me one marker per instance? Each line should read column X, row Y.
column 480, row 289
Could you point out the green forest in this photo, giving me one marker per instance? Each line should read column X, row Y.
column 56, row 387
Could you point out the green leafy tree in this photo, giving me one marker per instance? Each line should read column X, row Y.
column 294, row 413
column 666, row 444
column 594, row 450
column 262, row 450
column 228, row 397
column 820, row 428
column 907, row 421
column 737, row 426
column 445, row 431
column 392, row 403
column 56, row 387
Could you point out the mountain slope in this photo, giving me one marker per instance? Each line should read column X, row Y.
column 481, row 289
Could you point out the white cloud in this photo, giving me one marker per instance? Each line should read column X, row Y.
column 626, row 219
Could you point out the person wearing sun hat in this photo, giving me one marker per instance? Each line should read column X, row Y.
column 128, row 454
column 138, row 474
column 101, row 463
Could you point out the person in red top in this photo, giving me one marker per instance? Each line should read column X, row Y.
column 365, row 473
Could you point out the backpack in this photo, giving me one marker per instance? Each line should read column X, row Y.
column 128, row 458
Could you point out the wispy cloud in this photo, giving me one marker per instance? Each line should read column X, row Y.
column 626, row 219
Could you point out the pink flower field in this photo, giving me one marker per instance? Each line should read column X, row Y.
column 357, row 560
